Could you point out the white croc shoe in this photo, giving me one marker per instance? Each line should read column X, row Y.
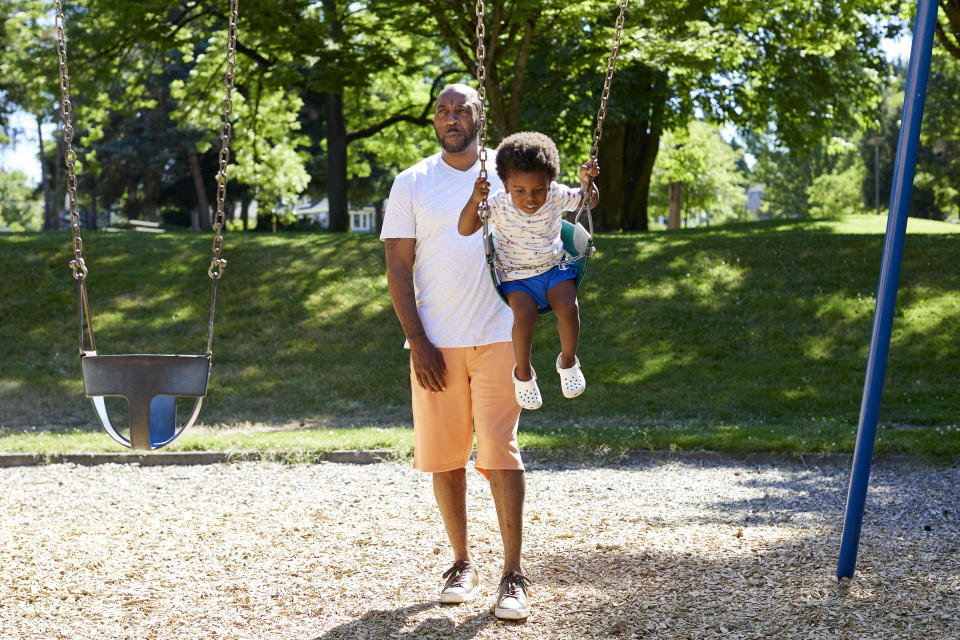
column 527, row 391
column 572, row 382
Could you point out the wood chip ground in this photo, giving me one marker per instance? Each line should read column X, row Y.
column 656, row 550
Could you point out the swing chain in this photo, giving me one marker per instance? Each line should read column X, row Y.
column 611, row 64
column 482, row 93
column 218, row 264
column 78, row 265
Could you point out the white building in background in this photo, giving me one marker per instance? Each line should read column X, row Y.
column 362, row 219
column 317, row 211
column 755, row 198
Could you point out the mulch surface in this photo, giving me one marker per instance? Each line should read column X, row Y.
column 670, row 549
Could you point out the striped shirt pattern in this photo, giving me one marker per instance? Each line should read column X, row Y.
column 528, row 244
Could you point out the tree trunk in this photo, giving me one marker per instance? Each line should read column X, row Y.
column 378, row 218
column 519, row 71
column 58, row 209
column 245, row 213
column 92, row 214
column 626, row 155
column 676, row 204
column 336, row 160
column 45, row 181
column 609, row 214
column 131, row 206
column 199, row 219
column 336, row 133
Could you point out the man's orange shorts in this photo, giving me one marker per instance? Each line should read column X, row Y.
column 478, row 398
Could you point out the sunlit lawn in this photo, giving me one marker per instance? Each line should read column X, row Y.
column 743, row 337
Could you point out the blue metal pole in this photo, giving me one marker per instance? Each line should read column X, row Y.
column 904, row 167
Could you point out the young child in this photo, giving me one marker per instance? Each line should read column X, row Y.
column 527, row 217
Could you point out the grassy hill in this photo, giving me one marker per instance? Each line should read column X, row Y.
column 749, row 336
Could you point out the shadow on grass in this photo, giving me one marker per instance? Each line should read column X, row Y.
column 756, row 323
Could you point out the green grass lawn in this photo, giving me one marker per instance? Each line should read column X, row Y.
column 743, row 337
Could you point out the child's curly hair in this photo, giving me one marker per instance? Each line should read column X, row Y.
column 527, row 151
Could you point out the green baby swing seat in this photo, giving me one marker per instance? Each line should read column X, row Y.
column 577, row 240
column 577, row 251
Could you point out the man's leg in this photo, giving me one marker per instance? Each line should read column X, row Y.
column 443, row 434
column 496, row 416
column 508, row 487
column 450, row 490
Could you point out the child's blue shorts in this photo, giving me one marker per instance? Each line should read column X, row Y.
column 537, row 286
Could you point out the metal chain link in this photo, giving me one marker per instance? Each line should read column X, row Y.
column 70, row 157
column 218, row 263
column 611, row 64
column 482, row 94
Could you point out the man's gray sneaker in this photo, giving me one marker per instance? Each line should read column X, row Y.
column 462, row 582
column 512, row 603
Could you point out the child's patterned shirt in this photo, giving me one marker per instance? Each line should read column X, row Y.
column 528, row 244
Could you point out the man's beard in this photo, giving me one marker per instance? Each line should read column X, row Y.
column 467, row 140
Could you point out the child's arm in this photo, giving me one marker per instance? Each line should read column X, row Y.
column 588, row 172
column 469, row 219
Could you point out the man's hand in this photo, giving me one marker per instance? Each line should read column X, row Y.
column 428, row 364
column 427, row 360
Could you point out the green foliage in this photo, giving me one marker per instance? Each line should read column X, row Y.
column 825, row 181
column 934, row 193
column 838, row 193
column 939, row 170
column 707, row 166
column 793, row 73
column 20, row 210
column 316, row 77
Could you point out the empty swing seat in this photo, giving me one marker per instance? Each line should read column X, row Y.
column 151, row 385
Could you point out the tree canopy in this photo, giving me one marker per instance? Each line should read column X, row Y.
column 333, row 97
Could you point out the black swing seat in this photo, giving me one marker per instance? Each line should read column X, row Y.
column 151, row 383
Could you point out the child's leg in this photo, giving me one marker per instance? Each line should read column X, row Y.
column 524, row 318
column 563, row 300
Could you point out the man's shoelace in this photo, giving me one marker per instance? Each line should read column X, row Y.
column 456, row 573
column 512, row 582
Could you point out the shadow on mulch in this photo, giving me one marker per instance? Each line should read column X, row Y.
column 377, row 624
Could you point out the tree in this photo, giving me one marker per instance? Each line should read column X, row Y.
column 935, row 194
column 20, row 210
column 698, row 157
column 791, row 71
column 298, row 61
column 28, row 82
column 948, row 26
column 839, row 191
column 939, row 158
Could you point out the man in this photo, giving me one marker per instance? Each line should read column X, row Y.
column 461, row 358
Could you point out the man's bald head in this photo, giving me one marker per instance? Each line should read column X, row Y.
column 456, row 118
column 466, row 93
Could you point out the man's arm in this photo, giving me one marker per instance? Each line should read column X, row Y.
column 427, row 360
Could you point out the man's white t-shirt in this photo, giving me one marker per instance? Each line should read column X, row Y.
column 456, row 299
column 529, row 244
